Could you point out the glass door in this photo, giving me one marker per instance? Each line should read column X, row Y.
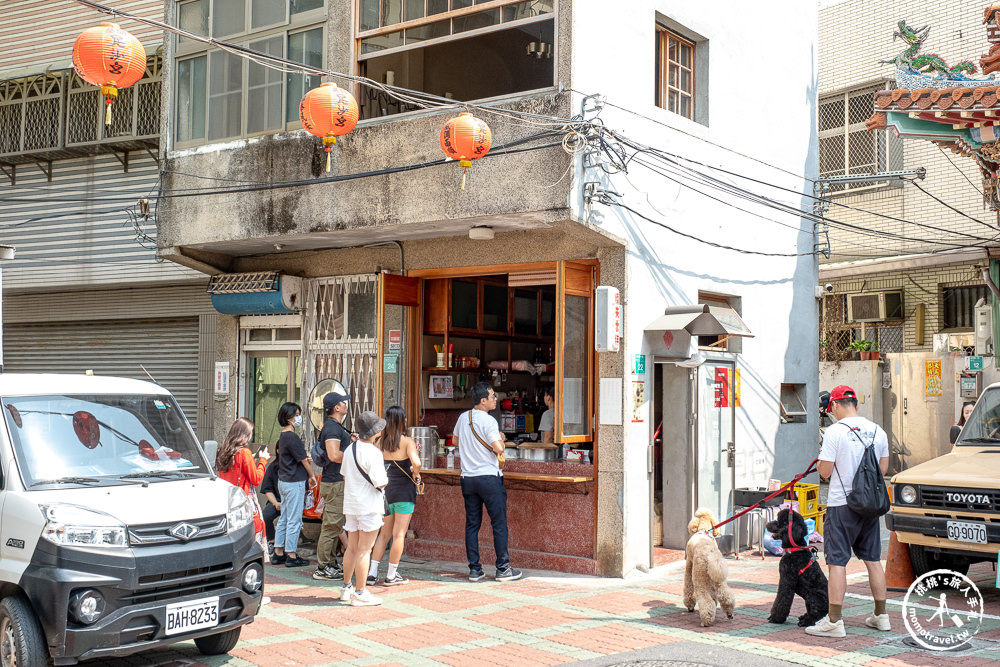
column 399, row 301
column 715, row 456
column 274, row 378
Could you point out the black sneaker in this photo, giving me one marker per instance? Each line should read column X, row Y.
column 327, row 573
column 296, row 562
column 279, row 560
column 476, row 575
column 395, row 580
column 371, row 580
column 508, row 574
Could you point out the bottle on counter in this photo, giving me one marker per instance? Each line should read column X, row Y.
column 450, row 459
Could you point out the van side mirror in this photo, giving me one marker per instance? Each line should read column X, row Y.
column 211, row 448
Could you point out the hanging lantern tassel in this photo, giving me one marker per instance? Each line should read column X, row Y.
column 465, row 167
column 110, row 94
column 329, row 142
column 465, row 138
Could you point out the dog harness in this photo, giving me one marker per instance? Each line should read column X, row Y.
column 796, row 547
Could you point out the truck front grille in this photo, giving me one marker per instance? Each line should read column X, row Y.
column 171, row 585
column 962, row 500
column 176, row 531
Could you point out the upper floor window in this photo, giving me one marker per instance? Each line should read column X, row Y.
column 675, row 73
column 462, row 49
column 221, row 95
column 846, row 146
column 958, row 305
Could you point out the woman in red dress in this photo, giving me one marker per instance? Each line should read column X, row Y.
column 234, row 463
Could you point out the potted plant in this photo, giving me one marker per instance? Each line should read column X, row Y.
column 863, row 348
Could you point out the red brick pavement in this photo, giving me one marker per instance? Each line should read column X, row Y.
column 794, row 638
column 926, row 659
column 609, row 639
column 312, row 651
column 454, row 601
column 346, row 615
column 618, row 602
column 264, row 627
column 502, row 656
column 420, row 636
column 527, row 618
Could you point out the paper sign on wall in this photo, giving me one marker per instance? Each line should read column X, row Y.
column 933, row 386
column 395, row 340
column 638, row 400
column 222, row 377
column 611, row 401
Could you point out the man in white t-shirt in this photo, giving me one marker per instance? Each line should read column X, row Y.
column 844, row 530
column 479, row 443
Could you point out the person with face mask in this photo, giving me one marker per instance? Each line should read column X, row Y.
column 294, row 474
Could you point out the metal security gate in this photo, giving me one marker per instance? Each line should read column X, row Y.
column 167, row 349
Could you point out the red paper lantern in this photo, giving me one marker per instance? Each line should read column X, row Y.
column 465, row 139
column 109, row 57
column 328, row 112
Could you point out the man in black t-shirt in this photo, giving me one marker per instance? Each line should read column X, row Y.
column 335, row 438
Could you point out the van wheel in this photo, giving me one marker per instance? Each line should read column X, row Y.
column 924, row 561
column 21, row 638
column 220, row 643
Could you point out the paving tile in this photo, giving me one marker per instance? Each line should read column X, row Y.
column 313, row 651
column 423, row 635
column 343, row 615
column 265, row 627
column 305, row 595
column 502, row 656
column 520, row 619
column 795, row 639
column 610, row 639
column 455, row 600
column 618, row 602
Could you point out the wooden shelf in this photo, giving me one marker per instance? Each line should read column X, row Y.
column 454, row 370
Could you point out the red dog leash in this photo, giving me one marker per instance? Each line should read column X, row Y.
column 786, row 487
column 796, row 547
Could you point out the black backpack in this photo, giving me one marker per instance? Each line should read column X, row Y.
column 869, row 496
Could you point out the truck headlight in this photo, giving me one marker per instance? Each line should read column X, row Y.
column 72, row 525
column 240, row 509
column 907, row 494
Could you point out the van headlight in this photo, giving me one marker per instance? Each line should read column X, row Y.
column 240, row 509
column 907, row 494
column 75, row 526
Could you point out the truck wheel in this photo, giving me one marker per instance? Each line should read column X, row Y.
column 220, row 643
column 924, row 561
column 21, row 637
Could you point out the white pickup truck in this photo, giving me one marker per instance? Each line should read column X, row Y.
column 115, row 534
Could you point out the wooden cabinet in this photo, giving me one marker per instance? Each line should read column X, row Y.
column 465, row 305
column 478, row 307
column 494, row 300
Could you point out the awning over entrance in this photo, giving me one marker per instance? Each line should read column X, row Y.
column 670, row 334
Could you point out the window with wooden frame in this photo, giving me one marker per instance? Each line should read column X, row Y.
column 675, row 73
column 426, row 45
column 220, row 95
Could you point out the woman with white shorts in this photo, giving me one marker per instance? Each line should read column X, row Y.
column 364, row 505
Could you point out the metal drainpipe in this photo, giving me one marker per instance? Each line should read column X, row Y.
column 989, row 283
column 399, row 245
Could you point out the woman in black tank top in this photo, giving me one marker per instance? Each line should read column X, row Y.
column 402, row 465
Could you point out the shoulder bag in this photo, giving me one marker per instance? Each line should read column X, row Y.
column 501, row 458
column 869, row 496
column 419, row 485
column 385, row 501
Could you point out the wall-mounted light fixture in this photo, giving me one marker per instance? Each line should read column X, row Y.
column 481, row 233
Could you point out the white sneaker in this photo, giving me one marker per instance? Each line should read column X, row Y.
column 878, row 621
column 345, row 593
column 364, row 599
column 824, row 628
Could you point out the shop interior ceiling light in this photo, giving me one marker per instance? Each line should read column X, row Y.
column 481, row 233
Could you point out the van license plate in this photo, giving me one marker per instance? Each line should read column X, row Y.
column 959, row 531
column 193, row 615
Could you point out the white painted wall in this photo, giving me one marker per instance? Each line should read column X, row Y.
column 762, row 95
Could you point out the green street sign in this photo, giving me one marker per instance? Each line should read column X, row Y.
column 975, row 363
column 639, row 367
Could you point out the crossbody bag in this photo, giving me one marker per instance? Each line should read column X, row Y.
column 385, row 501
column 501, row 458
column 419, row 485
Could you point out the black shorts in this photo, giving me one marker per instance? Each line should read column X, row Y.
column 844, row 531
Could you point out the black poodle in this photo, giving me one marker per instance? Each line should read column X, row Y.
column 800, row 572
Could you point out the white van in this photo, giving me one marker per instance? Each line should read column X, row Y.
column 115, row 534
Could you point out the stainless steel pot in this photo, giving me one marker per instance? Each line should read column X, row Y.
column 427, row 442
column 538, row 453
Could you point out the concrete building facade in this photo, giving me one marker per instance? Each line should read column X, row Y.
column 597, row 176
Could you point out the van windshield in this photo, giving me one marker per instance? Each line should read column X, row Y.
column 97, row 439
column 983, row 425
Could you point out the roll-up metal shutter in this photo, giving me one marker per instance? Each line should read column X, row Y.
column 167, row 349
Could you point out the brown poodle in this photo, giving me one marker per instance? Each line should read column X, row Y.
column 705, row 570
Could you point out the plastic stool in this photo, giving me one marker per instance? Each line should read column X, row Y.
column 760, row 515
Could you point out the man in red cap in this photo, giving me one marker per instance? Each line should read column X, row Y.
column 844, row 530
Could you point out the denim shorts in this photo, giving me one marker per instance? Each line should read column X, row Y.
column 845, row 531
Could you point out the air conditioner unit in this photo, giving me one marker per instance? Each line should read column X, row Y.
column 874, row 307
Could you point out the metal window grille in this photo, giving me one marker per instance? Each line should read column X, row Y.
column 847, row 147
column 244, row 283
column 338, row 338
column 958, row 305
